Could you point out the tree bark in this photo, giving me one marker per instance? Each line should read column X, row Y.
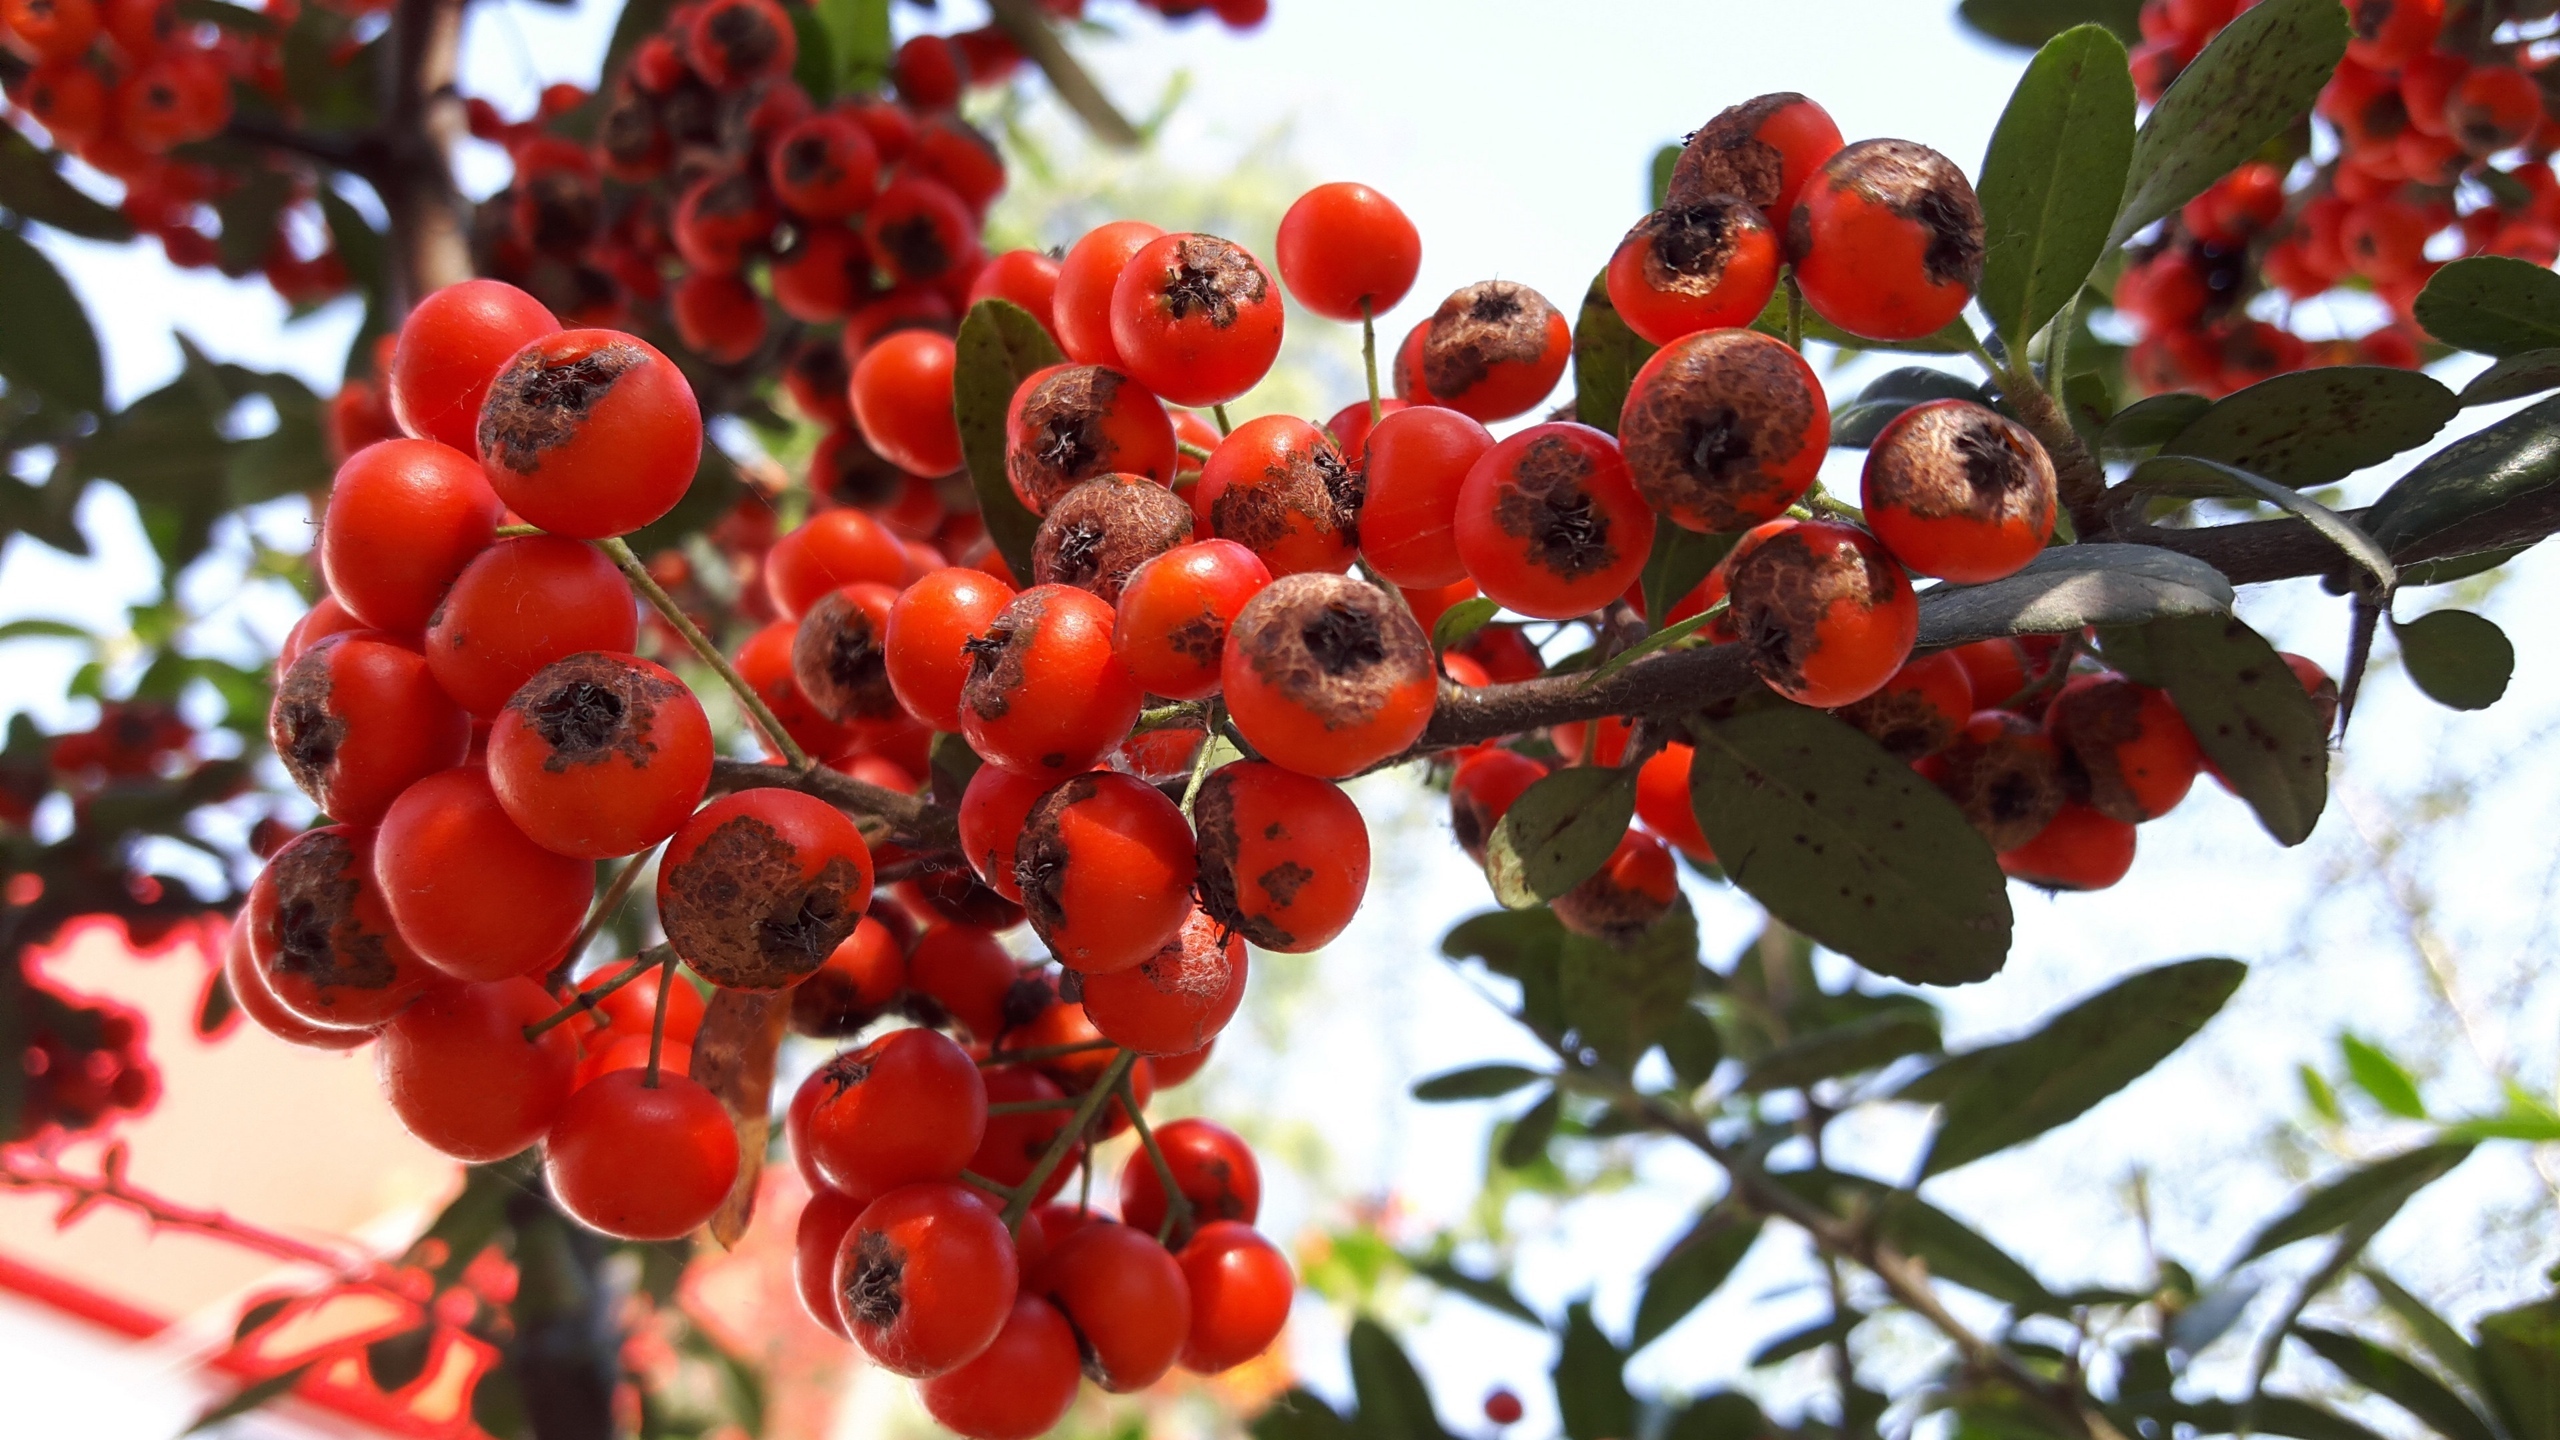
column 422, row 117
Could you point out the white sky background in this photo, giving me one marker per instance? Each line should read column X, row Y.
column 1516, row 134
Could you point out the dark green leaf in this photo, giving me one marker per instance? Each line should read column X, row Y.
column 249, row 1397
column 1955, row 338
column 2515, row 377
column 1665, row 159
column 715, row 489
column 30, row 187
column 1953, row 1251
column 2470, row 478
column 1866, row 1044
column 952, row 764
column 249, row 210
column 2252, row 83
column 47, row 346
column 1591, row 1381
column 2001, row 1095
column 497, row 1404
column 2213, row 1314
column 357, row 242
column 858, row 35
column 45, row 630
column 1476, row 1082
column 2247, row 710
column 1671, row 634
column 1693, row 1047
column 2493, row 305
column 1523, row 945
column 2381, row 1077
column 1856, row 424
column 1606, row 357
column 1681, row 559
column 2151, row 422
column 1491, row 1291
column 1618, row 999
column 1000, row 345
column 1298, row 1415
column 2168, row 474
column 2433, row 1332
column 815, row 66
column 1558, row 833
column 1804, row 1340
column 2458, row 658
column 1460, row 622
column 2462, row 567
column 1718, row 1415
column 1526, row 1142
column 2029, row 23
column 2399, row 1381
column 2071, row 586
column 2318, row 426
column 258, row 1317
column 395, row 1360
column 2364, row 1196
column 1696, row 1265
column 2270, row 1415
column 2053, row 178
column 1845, row 843
column 218, row 1007
column 1394, row 1404
column 2520, row 1369
column 470, row 1221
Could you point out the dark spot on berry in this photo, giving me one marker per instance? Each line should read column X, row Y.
column 1711, row 434
column 916, row 246
column 1902, row 720
column 1334, row 646
column 1726, row 156
column 874, row 1286
column 1547, row 503
column 1214, row 279
column 305, row 731
column 1781, row 591
column 537, row 403
column 1686, row 249
column 1960, row 460
column 2009, row 785
column 1041, row 858
column 996, row 659
column 741, row 914
column 1489, row 323
column 1924, row 186
column 591, row 708
column 841, row 663
column 321, row 938
column 1101, row 530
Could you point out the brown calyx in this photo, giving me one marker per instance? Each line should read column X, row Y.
column 1546, row 503
column 2008, row 786
column 1213, row 816
column 1489, row 323
column 996, row 659
column 629, row 135
column 1726, row 156
column 1211, row 278
column 591, row 708
column 1307, row 487
column 1921, row 185
column 1782, row 589
column 809, row 159
column 1336, row 646
column 1603, row 909
column 841, row 663
column 1098, row 532
column 566, row 209
column 320, row 936
column 1710, row 431
column 1041, row 857
column 542, row 399
column 2091, row 722
column 1956, row 459
column 1902, row 720
column 744, row 917
column 916, row 243
column 306, row 733
column 875, row 1284
column 1687, row 248
column 746, row 38
column 1064, row 427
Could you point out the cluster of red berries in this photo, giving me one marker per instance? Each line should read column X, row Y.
column 122, row 83
column 83, row 1064
column 2443, row 145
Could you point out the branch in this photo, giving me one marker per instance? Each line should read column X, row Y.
column 22, row 1171
column 1039, row 42
column 421, row 119
column 908, row 815
column 353, row 154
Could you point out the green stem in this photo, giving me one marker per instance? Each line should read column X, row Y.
column 605, row 909
column 973, row 1178
column 1187, row 448
column 1823, row 502
column 584, row 1002
column 1177, row 1206
column 658, row 1021
column 1039, row 1053
column 1030, row 1107
column 1103, row 1086
column 1369, row 359
column 1225, row 426
column 1200, row 762
column 1795, row 311
column 619, row 551
column 517, row 532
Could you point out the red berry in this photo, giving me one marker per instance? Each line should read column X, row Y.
column 1631, row 890
column 472, row 895
column 1887, row 240
column 1086, row 280
column 1175, row 1001
column 1195, row 319
column 404, row 517
column 1549, row 522
column 1170, row 626
column 1482, row 790
column 759, row 888
column 1045, row 692
column 2078, row 849
column 1019, row 1387
column 1071, row 423
column 1825, row 615
column 1105, row 865
column 1240, row 1288
column 642, row 1162
column 1959, row 491
column 1663, row 803
column 1284, row 858
column 1279, row 488
column 1127, row 1300
column 920, row 231
column 1763, row 150
column 590, row 433
column 824, row 167
column 2129, row 744
column 906, row 1108
column 451, row 347
column 249, row 990
column 902, row 401
column 1212, row 1167
column 358, row 719
column 1327, row 675
column 1920, row 709
column 1414, row 464
column 461, row 1075
column 600, row 755
column 1700, row 267
column 1347, row 252
column 964, row 971
column 1028, row 278
column 925, row 1279
column 734, row 43
column 819, row 1233
column 860, row 980
column 1491, row 351
column 2003, row 772
column 1098, row 532
column 321, row 937
column 836, row 548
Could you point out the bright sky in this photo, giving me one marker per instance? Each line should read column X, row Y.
column 1516, row 133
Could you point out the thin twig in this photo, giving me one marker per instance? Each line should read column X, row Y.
column 1068, row 1138
column 619, row 551
column 1177, row 1206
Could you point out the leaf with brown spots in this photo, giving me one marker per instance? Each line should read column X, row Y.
column 2259, row 76
column 2492, row 305
column 2247, row 710
column 1843, row 842
column 1558, row 833
column 733, row 1057
column 1619, row 999
column 1606, row 357
column 2314, row 427
column 1000, row 345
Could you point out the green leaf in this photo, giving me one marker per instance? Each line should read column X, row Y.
column 1522, row 945
column 858, row 34
column 2364, row 1196
column 47, row 347
column 1591, row 1381
column 2069, row 587
column 2533, row 1129
column 1490, row 1291
column 2269, row 1415
column 814, row 68
column 1856, row 424
column 2252, row 83
column 1666, row 158
column 1606, row 357
column 249, row 1397
column 2457, row 658
column 1695, row 1267
column 2030, row 23
column 2167, row 474
column 2382, row 1078
column 30, row 187
column 2003, row 1095
column 2433, row 1332
column 2520, row 1369
column 1843, row 842
column 1526, row 1142
column 1954, row 338
column 1460, row 622
column 1681, row 558
column 395, row 1360
column 1000, row 345
column 952, row 765
column 2317, row 427
column 2471, row 478
column 1476, row 1082
column 1618, row 999
column 2399, row 1381
column 1953, row 1250
column 1804, row 1340
column 2053, row 178
column 1394, row 1404
column 1298, row 1415
column 2493, row 305
column 1869, row 1043
column 1558, row 833
column 45, row 630
column 2528, row 372
column 1692, row 1045
column 2246, row 708
column 2150, row 423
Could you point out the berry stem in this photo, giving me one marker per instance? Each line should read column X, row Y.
column 1166, row 716
column 1187, row 448
column 585, row 1001
column 1795, row 311
column 1039, row 1053
column 1823, row 502
column 619, row 551
column 658, row 1021
column 1225, row 426
column 1103, row 1085
column 1177, row 1206
column 1032, row 1107
column 974, row 1179
column 1369, row 359
column 1200, row 762
column 517, row 532
column 606, row 907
